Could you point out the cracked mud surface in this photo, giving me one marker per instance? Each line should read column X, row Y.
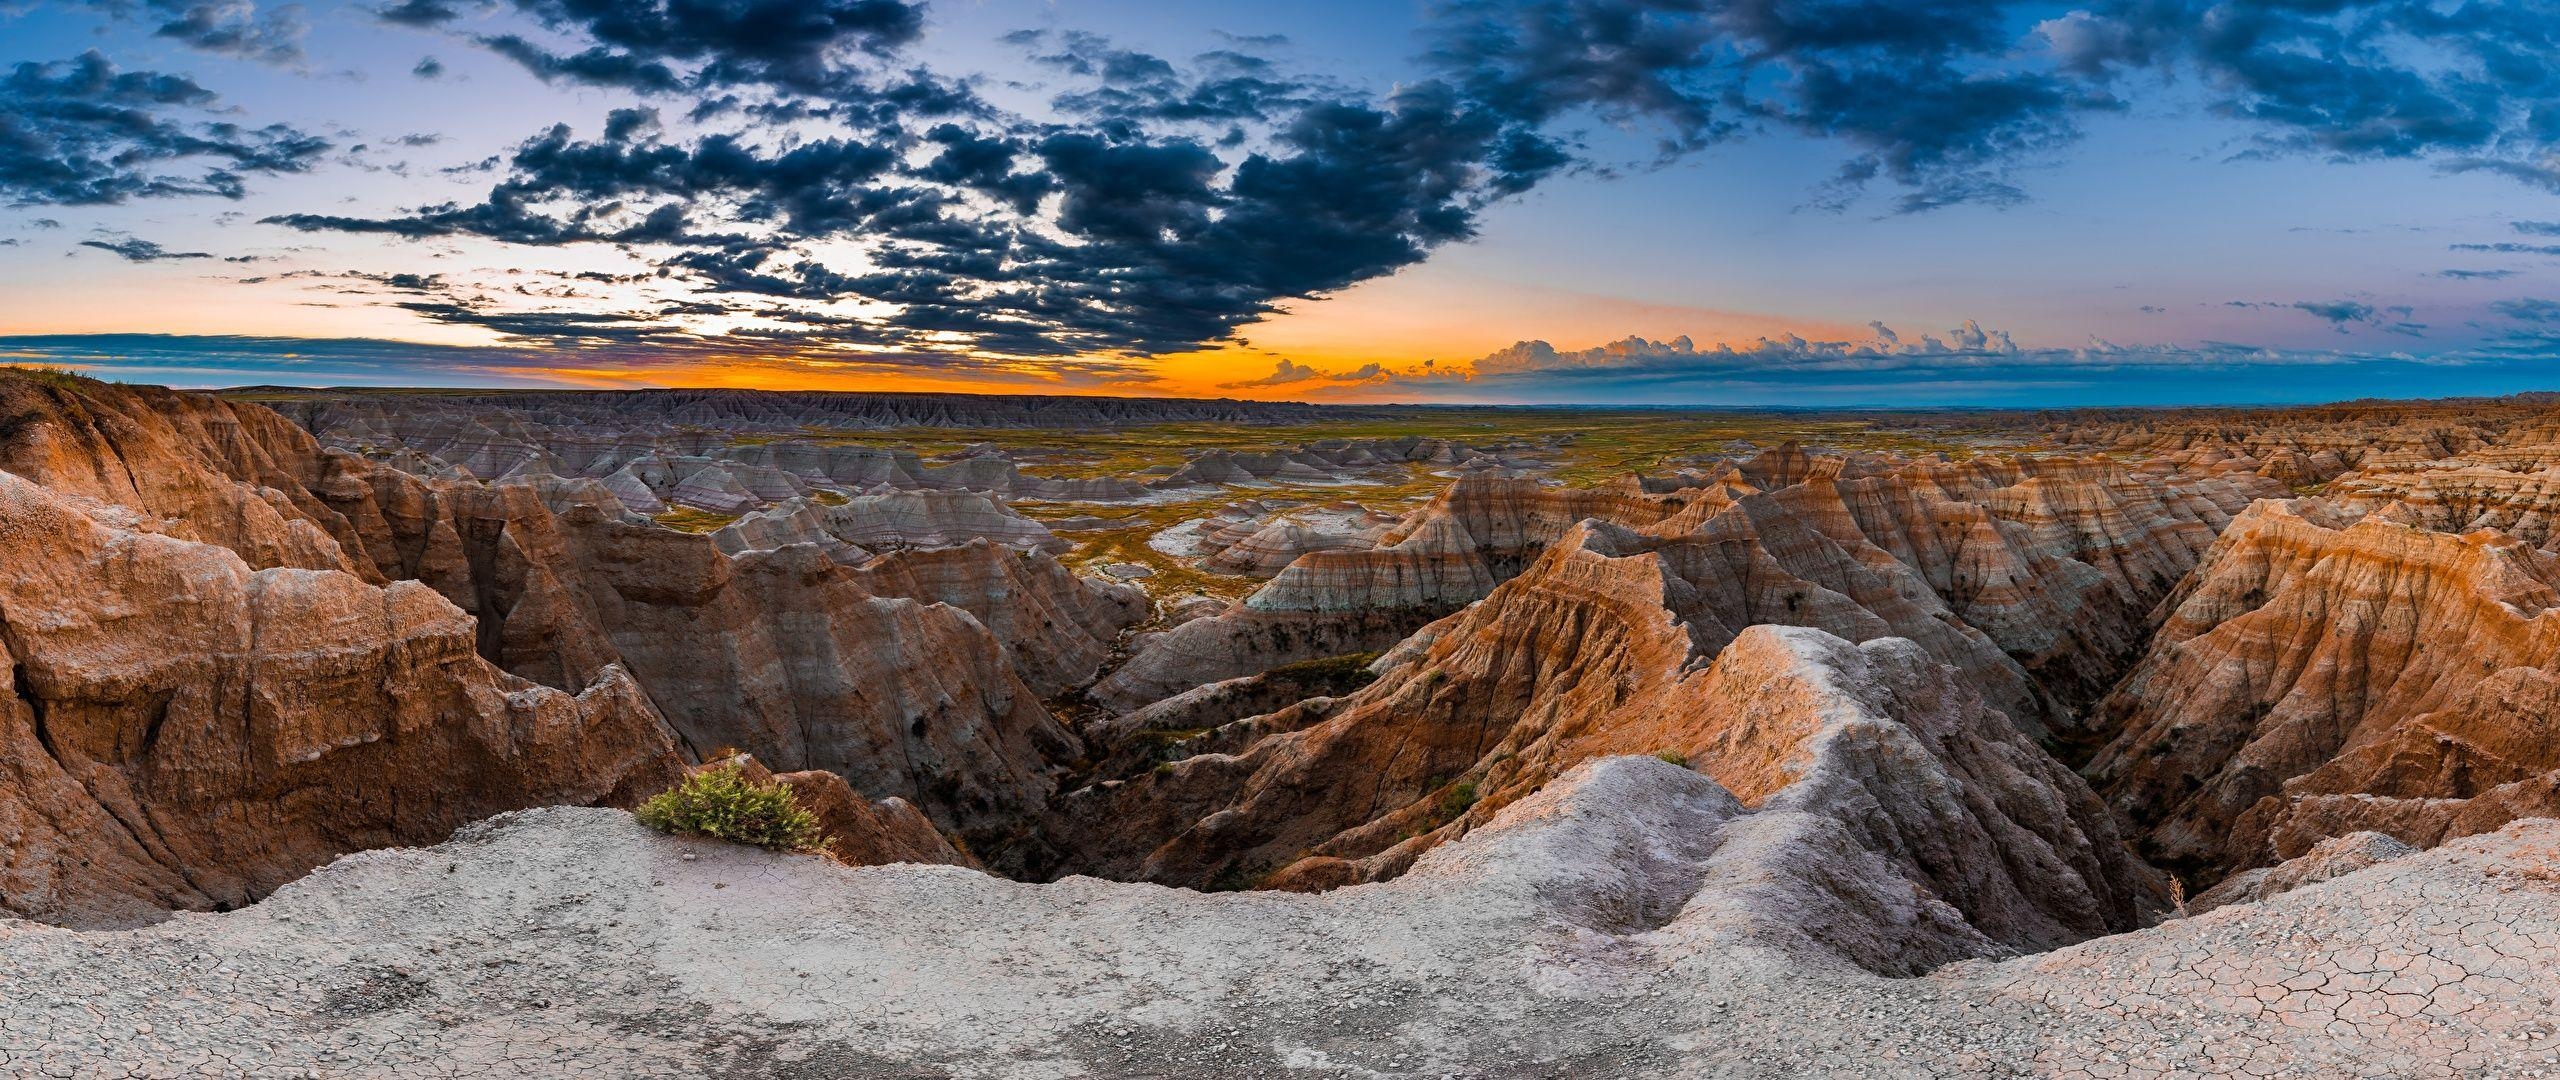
column 572, row 942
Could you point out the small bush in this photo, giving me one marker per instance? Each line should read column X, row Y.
column 1458, row 798
column 1675, row 757
column 721, row 802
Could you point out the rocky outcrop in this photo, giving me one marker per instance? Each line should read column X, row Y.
column 186, row 731
column 2335, row 857
column 788, row 656
column 888, row 520
column 1596, row 653
column 782, row 653
column 2315, row 678
column 2051, row 563
column 1258, row 540
column 2469, row 498
column 1057, row 627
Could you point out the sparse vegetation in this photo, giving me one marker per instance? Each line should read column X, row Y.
column 1457, row 799
column 721, row 802
column 1674, row 757
column 58, row 378
column 1331, row 676
column 688, row 519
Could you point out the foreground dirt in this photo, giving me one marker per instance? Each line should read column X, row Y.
column 573, row 942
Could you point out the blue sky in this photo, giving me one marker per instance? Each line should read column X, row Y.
column 2129, row 204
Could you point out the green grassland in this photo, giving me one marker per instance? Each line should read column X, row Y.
column 1602, row 444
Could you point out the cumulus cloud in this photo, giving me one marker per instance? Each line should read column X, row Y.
column 1291, row 373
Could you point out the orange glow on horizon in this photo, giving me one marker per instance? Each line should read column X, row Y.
column 1438, row 315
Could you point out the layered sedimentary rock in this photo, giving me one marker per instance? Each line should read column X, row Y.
column 2315, row 678
column 787, row 655
column 185, row 731
column 2462, row 499
column 2054, row 562
column 886, row 520
column 1604, row 648
column 783, row 653
column 2335, row 857
column 1057, row 628
column 900, row 519
column 1451, row 552
column 1258, row 540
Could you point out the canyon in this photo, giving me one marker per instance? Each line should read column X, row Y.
column 1185, row 738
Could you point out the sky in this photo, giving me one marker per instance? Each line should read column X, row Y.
column 1634, row 202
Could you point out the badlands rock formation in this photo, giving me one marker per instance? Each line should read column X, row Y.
column 1784, row 762
column 2043, row 569
column 237, row 655
column 1259, row 539
column 2315, row 678
column 1787, row 719
column 185, row 731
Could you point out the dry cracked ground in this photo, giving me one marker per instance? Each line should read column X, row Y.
column 1377, row 744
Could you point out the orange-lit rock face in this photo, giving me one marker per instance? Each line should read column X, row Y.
column 2315, row 678
column 261, row 654
column 185, row 731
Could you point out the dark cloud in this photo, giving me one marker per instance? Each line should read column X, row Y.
column 81, row 132
column 2337, row 311
column 805, row 46
column 2510, row 248
column 2528, row 310
column 235, row 28
column 1161, row 203
column 1922, row 91
column 1944, row 99
column 2538, row 228
column 2469, row 84
column 1221, row 87
column 2476, row 275
column 1154, row 242
column 428, row 68
column 143, row 250
column 2347, row 315
column 429, row 14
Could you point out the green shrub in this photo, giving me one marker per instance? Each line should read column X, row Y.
column 1458, row 798
column 1675, row 757
column 721, row 802
column 1334, row 676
